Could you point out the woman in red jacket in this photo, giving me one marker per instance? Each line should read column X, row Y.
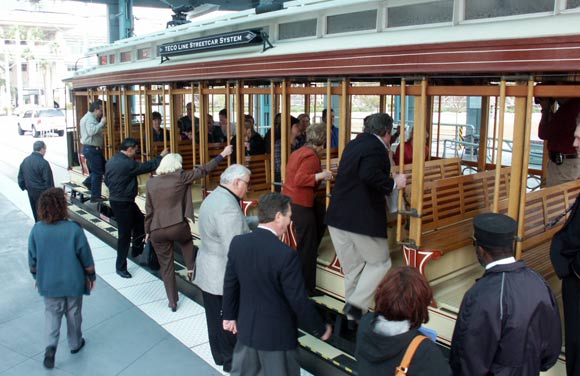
column 303, row 175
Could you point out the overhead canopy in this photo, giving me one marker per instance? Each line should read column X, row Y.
column 223, row 4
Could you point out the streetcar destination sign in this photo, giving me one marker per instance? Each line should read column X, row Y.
column 220, row 41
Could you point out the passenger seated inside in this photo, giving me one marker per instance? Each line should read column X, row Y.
column 253, row 142
column 158, row 133
column 408, row 151
column 297, row 138
column 334, row 130
column 214, row 131
column 223, row 115
column 304, row 120
column 185, row 124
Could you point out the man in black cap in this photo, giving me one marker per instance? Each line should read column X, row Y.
column 508, row 322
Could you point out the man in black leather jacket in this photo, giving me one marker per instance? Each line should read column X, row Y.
column 121, row 178
column 35, row 175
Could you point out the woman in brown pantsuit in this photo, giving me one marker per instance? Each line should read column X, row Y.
column 168, row 208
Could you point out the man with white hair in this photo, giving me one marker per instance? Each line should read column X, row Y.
column 220, row 219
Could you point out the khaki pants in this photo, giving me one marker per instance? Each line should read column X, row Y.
column 557, row 174
column 365, row 260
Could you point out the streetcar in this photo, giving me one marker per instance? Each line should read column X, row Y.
column 459, row 76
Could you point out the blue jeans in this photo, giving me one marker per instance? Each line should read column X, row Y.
column 96, row 162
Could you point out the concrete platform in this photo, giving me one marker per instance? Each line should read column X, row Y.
column 128, row 328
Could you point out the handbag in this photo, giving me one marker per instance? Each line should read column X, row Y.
column 403, row 368
column 150, row 257
column 393, row 201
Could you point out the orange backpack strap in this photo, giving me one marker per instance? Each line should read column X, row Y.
column 404, row 367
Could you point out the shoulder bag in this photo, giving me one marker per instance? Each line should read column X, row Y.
column 403, row 368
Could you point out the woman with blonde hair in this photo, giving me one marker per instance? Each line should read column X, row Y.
column 168, row 208
column 303, row 175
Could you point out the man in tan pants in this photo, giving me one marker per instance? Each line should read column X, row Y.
column 357, row 215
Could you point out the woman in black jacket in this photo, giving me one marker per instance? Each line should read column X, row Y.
column 383, row 336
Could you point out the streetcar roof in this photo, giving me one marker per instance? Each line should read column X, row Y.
column 514, row 27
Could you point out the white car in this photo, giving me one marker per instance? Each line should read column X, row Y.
column 42, row 120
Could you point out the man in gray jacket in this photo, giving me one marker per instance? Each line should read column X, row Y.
column 220, row 219
column 92, row 125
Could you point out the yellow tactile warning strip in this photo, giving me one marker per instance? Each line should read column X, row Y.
column 330, row 303
column 336, row 357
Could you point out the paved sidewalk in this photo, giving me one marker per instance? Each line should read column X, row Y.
column 123, row 338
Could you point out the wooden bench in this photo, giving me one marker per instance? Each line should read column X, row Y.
column 435, row 169
column 260, row 179
column 449, row 206
column 184, row 148
column 541, row 208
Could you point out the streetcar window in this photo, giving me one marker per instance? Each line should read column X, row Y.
column 344, row 23
column 125, row 57
column 143, row 53
column 420, row 14
column 298, row 29
column 573, row 4
column 477, row 9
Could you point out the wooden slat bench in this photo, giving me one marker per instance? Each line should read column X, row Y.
column 449, row 206
column 435, row 169
column 260, row 179
column 542, row 207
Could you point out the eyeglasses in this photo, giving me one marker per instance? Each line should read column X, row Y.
column 246, row 181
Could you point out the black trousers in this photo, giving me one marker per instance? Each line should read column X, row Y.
column 221, row 342
column 571, row 299
column 130, row 222
column 309, row 223
column 33, row 196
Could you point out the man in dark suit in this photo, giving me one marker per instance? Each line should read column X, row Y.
column 357, row 215
column 35, row 175
column 264, row 296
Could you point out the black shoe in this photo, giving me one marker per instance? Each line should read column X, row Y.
column 124, row 274
column 79, row 348
column 87, row 183
column 315, row 293
column 352, row 311
column 351, row 325
column 49, row 357
column 227, row 368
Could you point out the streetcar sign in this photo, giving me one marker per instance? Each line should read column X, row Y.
column 233, row 39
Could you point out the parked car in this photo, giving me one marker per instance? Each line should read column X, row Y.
column 42, row 120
